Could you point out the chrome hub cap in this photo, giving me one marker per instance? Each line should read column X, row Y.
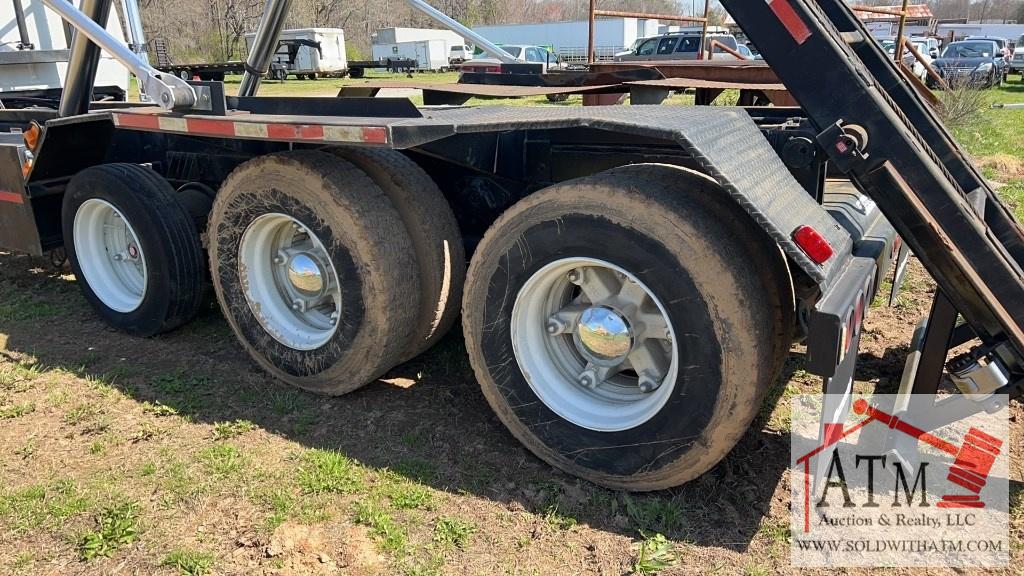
column 289, row 281
column 110, row 255
column 594, row 344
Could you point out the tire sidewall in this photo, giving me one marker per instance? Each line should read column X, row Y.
column 304, row 366
column 148, row 318
column 686, row 413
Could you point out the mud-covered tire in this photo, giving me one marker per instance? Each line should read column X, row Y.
column 175, row 273
column 437, row 243
column 725, row 290
column 363, row 237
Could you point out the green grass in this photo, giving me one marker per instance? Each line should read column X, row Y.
column 42, row 505
column 221, row 459
column 116, row 526
column 16, row 410
column 450, row 531
column 654, row 554
column 327, row 471
column 189, row 562
column 390, row 536
column 20, row 307
column 226, row 430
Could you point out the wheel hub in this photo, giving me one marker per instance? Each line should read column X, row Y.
column 291, row 285
column 603, row 336
column 305, row 274
column 595, row 344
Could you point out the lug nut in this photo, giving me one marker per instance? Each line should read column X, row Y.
column 668, row 335
column 587, row 379
column 574, row 276
column 648, row 384
column 555, row 326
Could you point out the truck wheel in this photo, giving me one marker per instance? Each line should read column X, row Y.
column 134, row 248
column 434, row 232
column 185, row 74
column 625, row 326
column 310, row 263
column 356, row 72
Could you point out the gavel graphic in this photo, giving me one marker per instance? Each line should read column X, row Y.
column 973, row 461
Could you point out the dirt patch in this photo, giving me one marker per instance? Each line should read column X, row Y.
column 1007, row 167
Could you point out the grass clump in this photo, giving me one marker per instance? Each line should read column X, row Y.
column 221, row 459
column 227, row 430
column 390, row 535
column 189, row 562
column 116, row 526
column 327, row 471
column 450, row 531
column 653, row 555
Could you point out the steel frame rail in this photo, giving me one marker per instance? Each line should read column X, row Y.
column 879, row 131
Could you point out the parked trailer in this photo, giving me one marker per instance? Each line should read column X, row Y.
column 428, row 55
column 309, row 52
column 637, row 274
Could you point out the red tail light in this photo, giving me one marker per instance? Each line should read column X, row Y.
column 483, row 69
column 813, row 244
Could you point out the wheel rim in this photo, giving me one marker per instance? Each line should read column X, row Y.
column 110, row 255
column 290, row 282
column 594, row 344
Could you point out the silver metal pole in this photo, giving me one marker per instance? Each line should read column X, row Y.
column 134, row 25
column 263, row 45
column 449, row 23
column 83, row 61
column 137, row 37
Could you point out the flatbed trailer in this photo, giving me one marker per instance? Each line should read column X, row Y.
column 636, row 275
column 358, row 68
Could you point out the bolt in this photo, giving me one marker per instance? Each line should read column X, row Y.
column 118, row 257
column 588, row 379
column 279, row 260
column 668, row 335
column 575, row 277
column 334, row 318
column 648, row 384
column 297, row 306
column 555, row 326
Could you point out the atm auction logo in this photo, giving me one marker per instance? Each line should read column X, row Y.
column 892, row 482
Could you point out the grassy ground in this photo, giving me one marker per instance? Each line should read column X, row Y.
column 176, row 455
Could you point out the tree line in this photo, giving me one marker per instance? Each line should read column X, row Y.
column 213, row 30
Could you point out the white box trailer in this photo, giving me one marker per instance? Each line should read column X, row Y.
column 38, row 70
column 306, row 60
column 429, row 54
column 569, row 37
column 399, row 35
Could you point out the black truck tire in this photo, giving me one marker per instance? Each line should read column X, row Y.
column 356, row 72
column 134, row 248
column 276, row 214
column 720, row 287
column 436, row 240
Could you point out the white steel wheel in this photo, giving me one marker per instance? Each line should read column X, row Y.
column 594, row 344
column 291, row 284
column 110, row 255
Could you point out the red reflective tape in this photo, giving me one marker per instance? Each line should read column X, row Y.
column 214, row 127
column 832, row 433
column 294, row 132
column 141, row 121
column 11, row 197
column 375, row 135
column 790, row 19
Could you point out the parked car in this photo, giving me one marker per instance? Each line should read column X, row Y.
column 679, row 46
column 747, row 54
column 521, row 52
column 1017, row 61
column 933, row 46
column 909, row 60
column 977, row 62
column 1003, row 45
